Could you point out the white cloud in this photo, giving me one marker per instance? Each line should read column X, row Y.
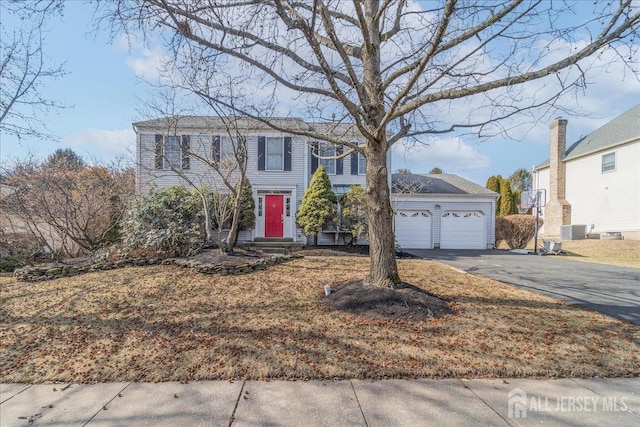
column 110, row 142
column 451, row 155
column 147, row 63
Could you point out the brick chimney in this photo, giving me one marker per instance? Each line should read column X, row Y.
column 558, row 211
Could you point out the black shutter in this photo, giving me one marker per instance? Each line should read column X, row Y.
column 339, row 162
column 261, row 153
column 314, row 159
column 215, row 149
column 186, row 147
column 287, row 153
column 158, row 152
column 354, row 164
column 242, row 150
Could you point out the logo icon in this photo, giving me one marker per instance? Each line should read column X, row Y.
column 517, row 403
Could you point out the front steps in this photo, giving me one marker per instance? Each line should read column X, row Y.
column 283, row 246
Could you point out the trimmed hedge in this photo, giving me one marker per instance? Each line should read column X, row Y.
column 516, row 230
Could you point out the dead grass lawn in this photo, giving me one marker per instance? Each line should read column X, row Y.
column 623, row 253
column 164, row 323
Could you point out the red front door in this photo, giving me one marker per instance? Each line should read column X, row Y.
column 274, row 218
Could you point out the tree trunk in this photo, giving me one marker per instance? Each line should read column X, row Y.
column 232, row 238
column 383, row 270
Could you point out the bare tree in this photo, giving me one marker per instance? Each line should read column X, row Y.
column 395, row 69
column 24, row 68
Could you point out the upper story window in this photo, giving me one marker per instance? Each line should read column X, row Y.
column 172, row 152
column 227, row 155
column 362, row 164
column 609, row 162
column 275, row 153
column 327, row 150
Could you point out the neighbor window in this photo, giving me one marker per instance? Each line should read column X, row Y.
column 327, row 150
column 172, row 153
column 275, row 154
column 362, row 164
column 609, row 162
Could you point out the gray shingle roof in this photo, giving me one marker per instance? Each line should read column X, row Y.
column 623, row 128
column 213, row 122
column 436, row 184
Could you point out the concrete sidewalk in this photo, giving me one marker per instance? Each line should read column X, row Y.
column 579, row 402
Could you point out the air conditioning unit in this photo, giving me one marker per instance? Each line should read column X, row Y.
column 573, row 232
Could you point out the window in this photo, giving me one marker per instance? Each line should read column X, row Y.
column 362, row 164
column 227, row 157
column 608, row 162
column 172, row 153
column 288, row 206
column 327, row 150
column 275, row 154
column 259, row 206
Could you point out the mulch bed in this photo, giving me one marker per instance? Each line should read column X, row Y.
column 404, row 302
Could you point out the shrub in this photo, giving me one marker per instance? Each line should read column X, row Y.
column 164, row 223
column 318, row 205
column 9, row 264
column 516, row 230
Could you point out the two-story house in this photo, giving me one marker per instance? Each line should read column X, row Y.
column 279, row 165
column 593, row 186
column 431, row 211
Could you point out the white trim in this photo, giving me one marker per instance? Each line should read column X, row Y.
column 289, row 226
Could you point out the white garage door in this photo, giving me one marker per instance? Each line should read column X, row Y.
column 413, row 229
column 463, row 230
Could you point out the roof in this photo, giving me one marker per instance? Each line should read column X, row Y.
column 437, row 184
column 215, row 122
column 623, row 128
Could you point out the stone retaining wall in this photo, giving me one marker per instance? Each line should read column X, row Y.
column 50, row 272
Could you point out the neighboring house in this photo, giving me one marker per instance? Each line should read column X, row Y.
column 442, row 211
column 593, row 187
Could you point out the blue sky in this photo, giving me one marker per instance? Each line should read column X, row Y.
column 106, row 83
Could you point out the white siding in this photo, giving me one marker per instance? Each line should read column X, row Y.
column 200, row 173
column 611, row 200
column 541, row 182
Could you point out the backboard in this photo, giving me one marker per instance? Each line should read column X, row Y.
column 532, row 198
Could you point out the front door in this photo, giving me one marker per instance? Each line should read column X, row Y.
column 274, row 216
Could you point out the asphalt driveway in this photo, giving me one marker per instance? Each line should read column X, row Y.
column 611, row 290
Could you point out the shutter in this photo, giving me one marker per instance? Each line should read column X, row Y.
column 158, row 151
column 354, row 164
column 287, row 153
column 314, row 159
column 339, row 162
column 215, row 150
column 242, row 150
column 186, row 147
column 261, row 153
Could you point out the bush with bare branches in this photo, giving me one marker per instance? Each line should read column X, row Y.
column 69, row 210
column 516, row 230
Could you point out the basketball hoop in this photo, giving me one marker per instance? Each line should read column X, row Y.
column 524, row 208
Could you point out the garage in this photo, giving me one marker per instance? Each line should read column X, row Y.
column 413, row 229
column 463, row 230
